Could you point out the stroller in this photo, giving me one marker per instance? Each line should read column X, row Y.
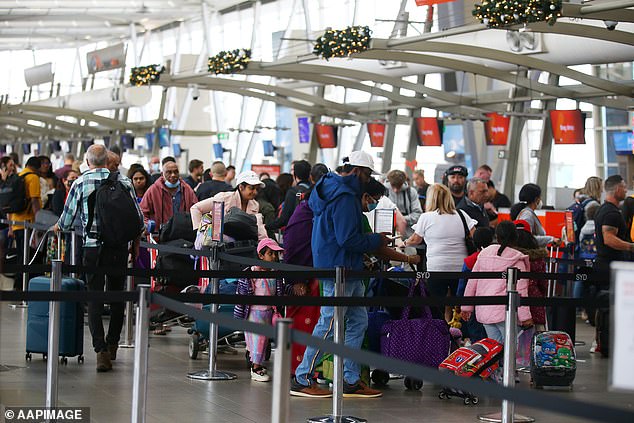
column 199, row 332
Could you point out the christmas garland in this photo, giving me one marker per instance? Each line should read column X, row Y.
column 146, row 75
column 503, row 13
column 229, row 62
column 342, row 43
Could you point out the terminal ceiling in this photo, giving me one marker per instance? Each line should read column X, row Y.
column 482, row 54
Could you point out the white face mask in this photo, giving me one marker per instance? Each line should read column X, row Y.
column 539, row 204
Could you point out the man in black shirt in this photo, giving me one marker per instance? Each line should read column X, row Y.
column 610, row 228
column 473, row 202
column 456, row 179
column 217, row 184
column 195, row 173
column 497, row 198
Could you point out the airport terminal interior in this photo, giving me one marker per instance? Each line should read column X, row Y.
column 518, row 93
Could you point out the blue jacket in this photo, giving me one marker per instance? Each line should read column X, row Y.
column 338, row 238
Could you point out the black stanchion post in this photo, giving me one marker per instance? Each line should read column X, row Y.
column 53, row 337
column 212, row 373
column 129, row 312
column 139, row 384
column 510, row 350
column 281, row 382
column 337, row 382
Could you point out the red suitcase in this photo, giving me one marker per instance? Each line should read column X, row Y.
column 479, row 359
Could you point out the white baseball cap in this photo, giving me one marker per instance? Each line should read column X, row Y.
column 249, row 177
column 362, row 159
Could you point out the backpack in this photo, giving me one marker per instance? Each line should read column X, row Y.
column 240, row 225
column 178, row 227
column 174, row 261
column 119, row 220
column 13, row 194
column 579, row 216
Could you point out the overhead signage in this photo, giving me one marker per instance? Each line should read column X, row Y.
column 429, row 131
column 568, row 126
column 273, row 170
column 303, row 126
column 496, row 129
column 377, row 134
column 108, row 58
column 326, row 135
column 39, row 74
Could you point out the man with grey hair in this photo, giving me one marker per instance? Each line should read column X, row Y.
column 473, row 202
column 96, row 254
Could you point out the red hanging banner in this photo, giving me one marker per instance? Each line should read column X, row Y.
column 377, row 134
column 568, row 126
column 326, row 135
column 429, row 131
column 431, row 2
column 496, row 129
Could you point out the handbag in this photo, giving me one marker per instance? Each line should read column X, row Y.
column 468, row 240
column 423, row 341
column 240, row 225
column 204, row 235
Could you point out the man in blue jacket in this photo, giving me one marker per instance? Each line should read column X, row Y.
column 338, row 240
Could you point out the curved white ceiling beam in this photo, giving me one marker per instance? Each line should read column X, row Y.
column 273, row 69
column 211, row 82
column 524, row 60
column 461, row 65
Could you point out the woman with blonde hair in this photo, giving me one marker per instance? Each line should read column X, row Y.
column 593, row 188
column 442, row 228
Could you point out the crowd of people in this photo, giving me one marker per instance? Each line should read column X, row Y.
column 324, row 219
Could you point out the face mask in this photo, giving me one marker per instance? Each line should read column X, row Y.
column 154, row 167
column 372, row 206
column 172, row 185
column 539, row 205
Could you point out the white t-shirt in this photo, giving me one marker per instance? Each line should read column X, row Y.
column 444, row 236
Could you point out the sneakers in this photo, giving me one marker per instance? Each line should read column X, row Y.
column 112, row 349
column 311, row 391
column 260, row 374
column 360, row 390
column 103, row 361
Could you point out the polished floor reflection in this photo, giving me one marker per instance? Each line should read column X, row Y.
column 172, row 397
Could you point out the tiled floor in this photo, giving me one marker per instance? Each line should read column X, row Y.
column 172, row 397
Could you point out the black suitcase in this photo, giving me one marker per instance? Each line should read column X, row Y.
column 553, row 361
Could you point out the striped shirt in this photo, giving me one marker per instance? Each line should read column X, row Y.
column 77, row 201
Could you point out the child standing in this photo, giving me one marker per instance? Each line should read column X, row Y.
column 498, row 258
column 268, row 250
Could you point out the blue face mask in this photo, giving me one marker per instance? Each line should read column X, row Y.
column 172, row 185
column 372, row 206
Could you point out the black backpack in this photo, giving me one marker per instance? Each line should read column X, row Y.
column 119, row 220
column 178, row 227
column 173, row 261
column 13, row 194
column 240, row 225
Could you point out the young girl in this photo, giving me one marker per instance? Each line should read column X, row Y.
column 498, row 258
column 268, row 250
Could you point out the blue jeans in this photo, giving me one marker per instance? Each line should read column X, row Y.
column 356, row 324
column 495, row 331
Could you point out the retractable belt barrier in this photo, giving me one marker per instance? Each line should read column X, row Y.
column 518, row 395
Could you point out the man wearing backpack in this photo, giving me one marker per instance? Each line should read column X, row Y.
column 23, row 202
column 110, row 218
